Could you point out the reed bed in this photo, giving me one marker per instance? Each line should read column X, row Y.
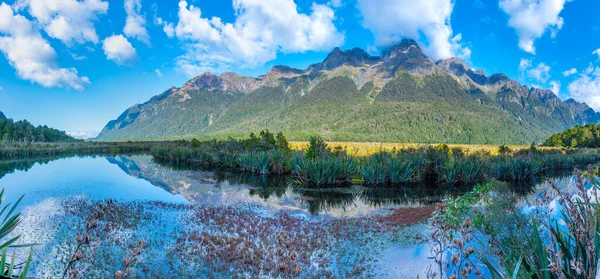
column 319, row 165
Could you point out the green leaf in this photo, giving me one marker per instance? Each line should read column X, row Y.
column 25, row 270
column 516, row 272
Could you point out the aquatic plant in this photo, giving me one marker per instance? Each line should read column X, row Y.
column 10, row 220
column 373, row 171
column 129, row 261
column 270, row 154
column 514, row 168
column 326, row 171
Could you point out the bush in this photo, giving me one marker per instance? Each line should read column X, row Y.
column 317, row 148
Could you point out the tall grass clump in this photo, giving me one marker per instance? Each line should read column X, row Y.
column 326, row 171
column 390, row 168
column 321, row 166
column 514, row 168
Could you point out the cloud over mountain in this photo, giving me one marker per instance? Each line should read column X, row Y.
column 392, row 20
column 260, row 31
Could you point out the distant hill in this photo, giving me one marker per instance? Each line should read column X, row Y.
column 23, row 131
column 399, row 96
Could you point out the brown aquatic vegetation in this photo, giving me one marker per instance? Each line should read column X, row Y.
column 408, row 216
column 447, row 239
column 241, row 241
column 84, row 239
column 128, row 262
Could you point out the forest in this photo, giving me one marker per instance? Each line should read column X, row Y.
column 23, row 131
column 587, row 136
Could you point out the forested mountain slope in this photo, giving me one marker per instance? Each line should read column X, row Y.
column 399, row 96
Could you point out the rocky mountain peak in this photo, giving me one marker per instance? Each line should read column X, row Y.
column 204, row 81
column 407, row 55
column 583, row 112
column 354, row 57
column 407, row 48
column 455, row 66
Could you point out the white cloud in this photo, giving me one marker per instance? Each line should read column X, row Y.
column 425, row 21
column 336, row 3
column 135, row 24
column 569, row 72
column 31, row 55
column 555, row 87
column 261, row 30
column 70, row 21
column 524, row 64
column 119, row 49
column 158, row 73
column 597, row 52
column 586, row 87
column 532, row 18
column 539, row 73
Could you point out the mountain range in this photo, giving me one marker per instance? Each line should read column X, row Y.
column 399, row 96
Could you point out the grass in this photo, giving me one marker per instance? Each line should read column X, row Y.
column 362, row 149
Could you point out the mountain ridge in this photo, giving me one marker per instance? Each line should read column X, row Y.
column 352, row 95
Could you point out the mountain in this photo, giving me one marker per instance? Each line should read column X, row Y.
column 399, row 96
column 2, row 116
column 584, row 114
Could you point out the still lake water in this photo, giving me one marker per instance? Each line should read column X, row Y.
column 48, row 183
column 139, row 178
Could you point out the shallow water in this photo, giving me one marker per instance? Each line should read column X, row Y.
column 160, row 204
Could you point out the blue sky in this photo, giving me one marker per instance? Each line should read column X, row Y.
column 75, row 65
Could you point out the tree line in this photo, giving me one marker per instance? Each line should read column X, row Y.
column 23, row 131
column 587, row 136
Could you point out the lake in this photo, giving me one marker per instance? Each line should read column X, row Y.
column 206, row 223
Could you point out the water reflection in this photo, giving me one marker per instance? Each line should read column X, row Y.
column 95, row 176
column 227, row 187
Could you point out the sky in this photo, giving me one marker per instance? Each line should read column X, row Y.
column 75, row 65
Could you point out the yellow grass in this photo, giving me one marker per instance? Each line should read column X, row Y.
column 368, row 148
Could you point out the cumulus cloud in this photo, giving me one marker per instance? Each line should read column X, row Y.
column 532, row 18
column 70, row 21
column 539, row 73
column 117, row 48
column 135, row 23
column 555, row 87
column 597, row 52
column 425, row 21
column 586, row 87
column 524, row 64
column 31, row 55
column 569, row 72
column 261, row 30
